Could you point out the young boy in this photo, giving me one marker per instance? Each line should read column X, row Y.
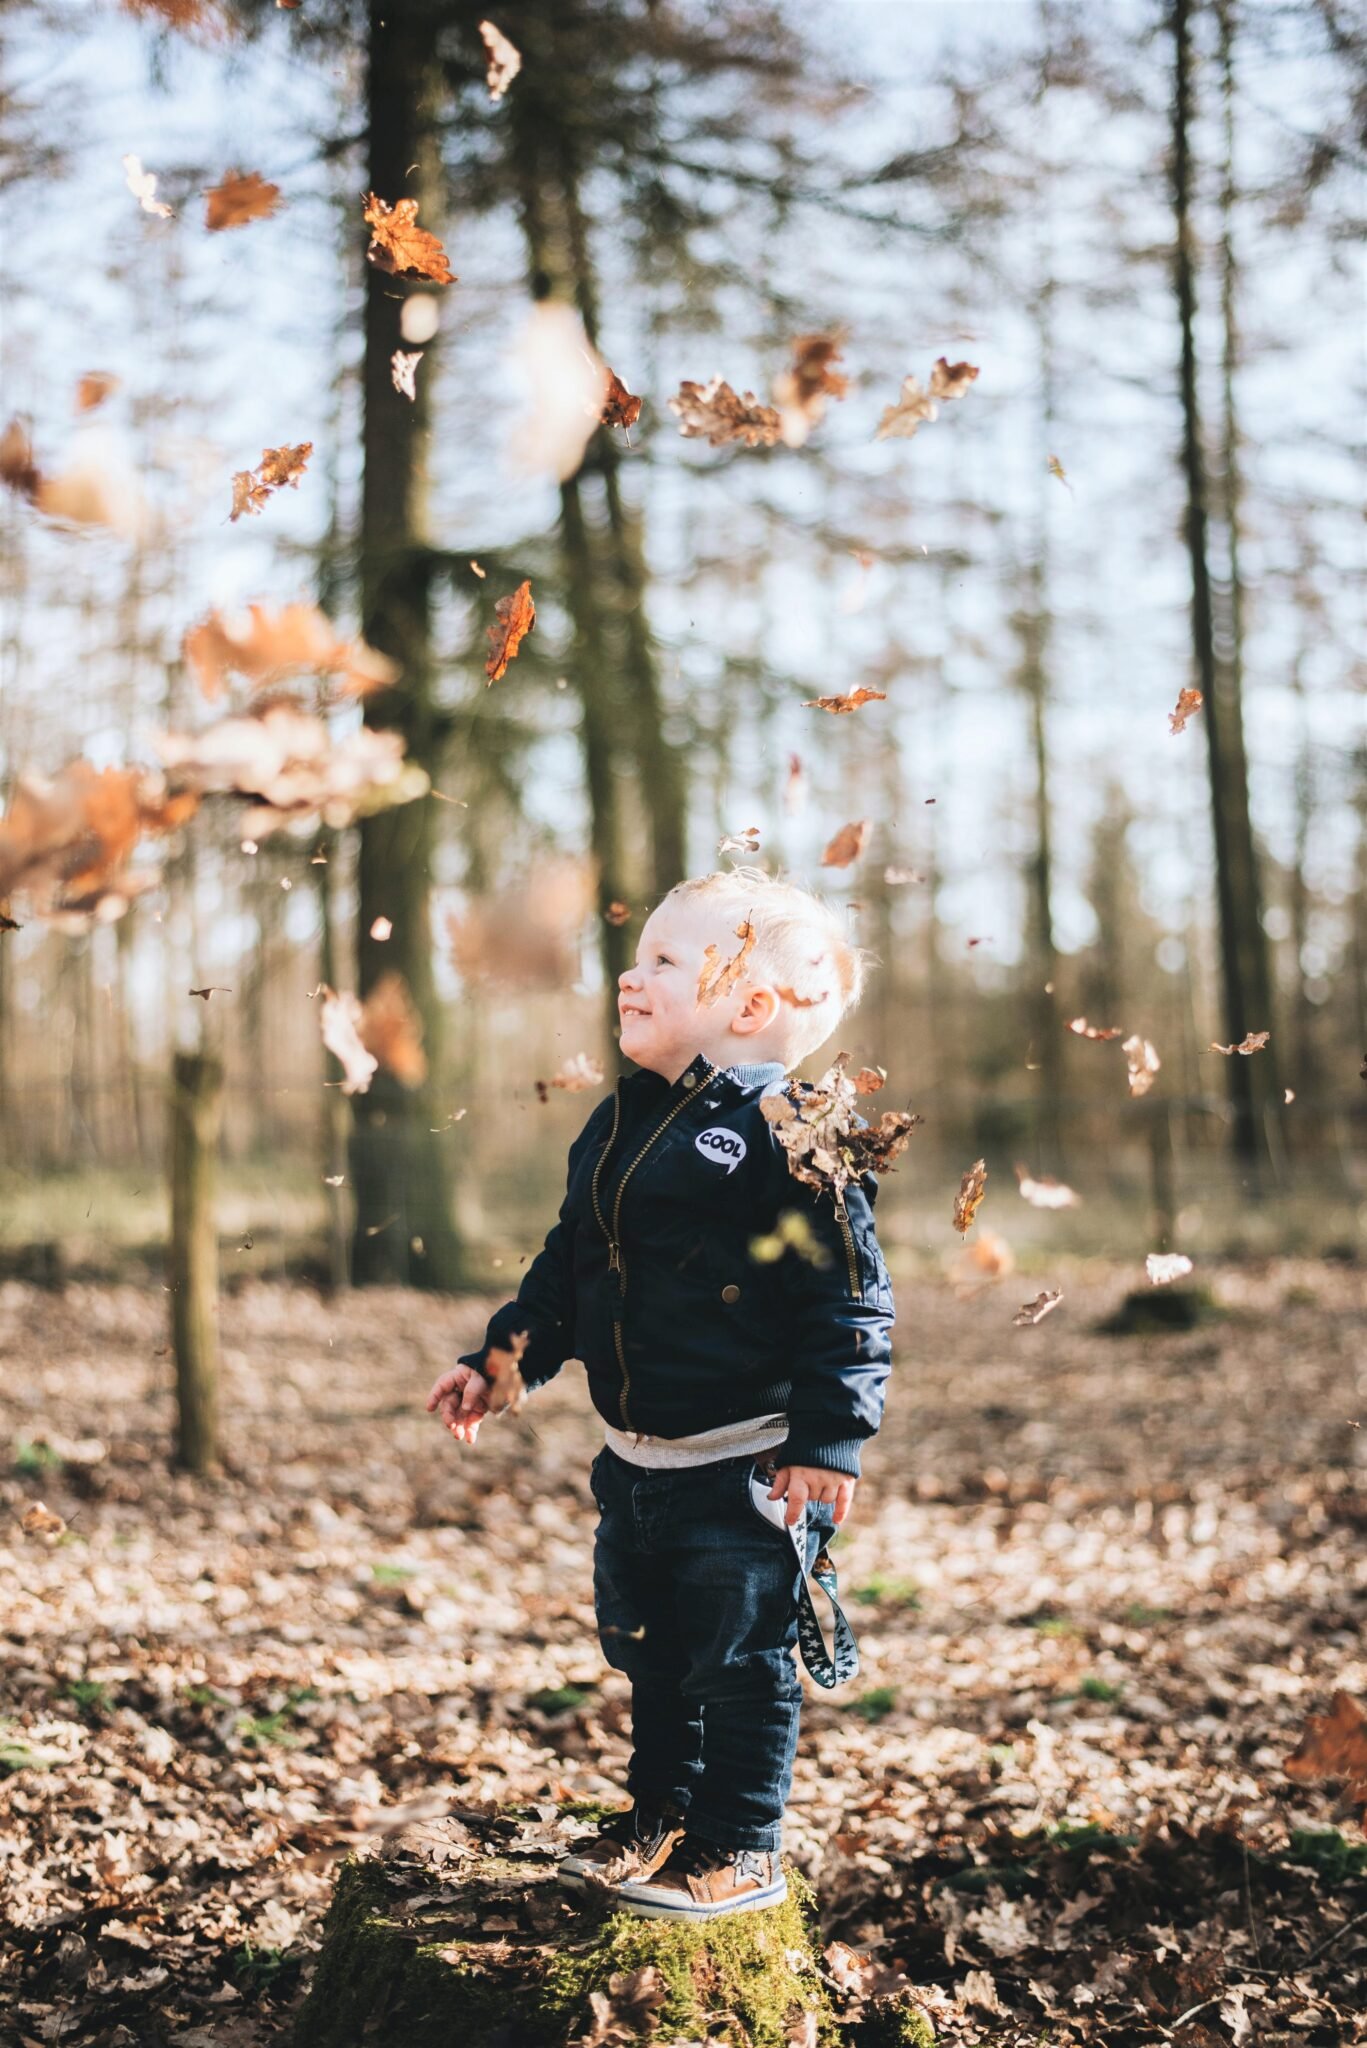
column 708, row 1367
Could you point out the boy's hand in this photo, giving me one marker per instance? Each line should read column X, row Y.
column 802, row 1483
column 461, row 1400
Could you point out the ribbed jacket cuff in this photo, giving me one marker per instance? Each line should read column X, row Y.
column 839, row 1456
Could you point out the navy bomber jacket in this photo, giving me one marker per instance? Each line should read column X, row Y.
column 647, row 1276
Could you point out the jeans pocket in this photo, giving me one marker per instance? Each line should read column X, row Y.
column 773, row 1513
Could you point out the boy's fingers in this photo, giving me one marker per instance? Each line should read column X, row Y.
column 797, row 1500
column 441, row 1388
column 780, row 1485
column 472, row 1401
column 844, row 1500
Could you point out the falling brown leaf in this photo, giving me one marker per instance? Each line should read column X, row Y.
column 340, row 1021
column 1046, row 1192
column 951, row 380
column 241, row 198
column 827, row 1141
column 850, row 702
column 85, row 494
column 17, row 467
column 65, row 843
column 1188, row 703
column 207, row 992
column 916, row 406
column 869, row 1080
column 403, row 368
column 516, row 615
column 391, row 1030
column 143, row 186
column 968, row 1201
column 714, row 412
column 400, row 246
column 617, row 913
column 802, row 390
column 718, row 977
column 847, row 845
column 1082, row 1029
column 274, row 644
column 502, row 1368
column 277, row 467
column 1035, row 1311
column 94, row 388
column 505, row 61
column 620, row 407
column 1142, row 1063
column 988, row 1254
column 1334, row 1745
column 1252, row 1041
column 288, row 759
column 744, row 841
column 1165, row 1267
column 1056, row 470
column 581, row 1071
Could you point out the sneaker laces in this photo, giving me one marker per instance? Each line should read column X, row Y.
column 635, row 1825
column 692, row 1856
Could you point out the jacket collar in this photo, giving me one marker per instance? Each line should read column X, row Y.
column 751, row 1076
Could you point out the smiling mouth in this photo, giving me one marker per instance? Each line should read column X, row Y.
column 632, row 1010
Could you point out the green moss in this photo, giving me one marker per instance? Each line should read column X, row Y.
column 889, row 2023
column 376, row 1980
column 558, row 1699
column 874, row 1705
column 1328, row 1854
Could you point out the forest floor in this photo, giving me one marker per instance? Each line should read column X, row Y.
column 1100, row 1583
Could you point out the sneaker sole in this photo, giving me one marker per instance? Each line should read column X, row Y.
column 694, row 1909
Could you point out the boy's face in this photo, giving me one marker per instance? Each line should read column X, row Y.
column 663, row 1024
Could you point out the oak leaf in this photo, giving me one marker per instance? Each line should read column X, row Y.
column 39, row 1520
column 94, row 388
column 951, row 380
column 850, row 702
column 241, row 198
column 718, row 977
column 1334, row 1745
column 505, row 60
column 827, row 1141
column 1056, row 469
column 847, row 845
column 400, row 246
column 968, row 1201
column 802, row 390
column 1252, row 1041
column 580, row 1071
column 1035, row 1311
column 277, row 467
column 390, row 1029
column 287, row 759
column 1080, row 1028
column 1046, row 1192
column 403, row 368
column 621, row 408
column 275, row 644
column 516, row 615
column 502, row 1368
column 869, row 1080
column 1188, row 703
column 1142, row 1063
column 714, row 412
column 339, row 1022
column 913, row 408
column 143, row 186
column 65, row 843
column 744, row 841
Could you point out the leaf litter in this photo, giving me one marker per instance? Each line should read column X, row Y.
column 1120, row 1607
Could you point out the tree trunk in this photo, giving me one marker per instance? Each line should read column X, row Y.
column 403, row 1231
column 196, row 1114
column 1242, row 948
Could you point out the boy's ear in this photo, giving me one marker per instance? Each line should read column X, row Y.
column 758, row 1011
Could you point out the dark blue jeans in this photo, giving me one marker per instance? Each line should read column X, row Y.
column 696, row 1598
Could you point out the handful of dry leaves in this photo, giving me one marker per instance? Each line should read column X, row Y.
column 827, row 1141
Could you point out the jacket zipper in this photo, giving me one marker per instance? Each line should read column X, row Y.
column 851, row 1256
column 616, row 1263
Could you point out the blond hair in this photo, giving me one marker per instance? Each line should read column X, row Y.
column 800, row 946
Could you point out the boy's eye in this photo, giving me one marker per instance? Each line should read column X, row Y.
column 663, row 960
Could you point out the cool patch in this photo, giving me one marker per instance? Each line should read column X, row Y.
column 722, row 1147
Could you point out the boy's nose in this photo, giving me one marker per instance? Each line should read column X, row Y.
column 628, row 977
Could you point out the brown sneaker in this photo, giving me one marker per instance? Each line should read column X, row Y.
column 700, row 1880
column 629, row 1845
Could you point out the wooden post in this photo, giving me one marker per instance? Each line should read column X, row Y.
column 196, row 1118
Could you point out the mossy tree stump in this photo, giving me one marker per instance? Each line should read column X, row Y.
column 458, row 1933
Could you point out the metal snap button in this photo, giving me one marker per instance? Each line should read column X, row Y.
column 730, row 1292
column 688, row 1079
